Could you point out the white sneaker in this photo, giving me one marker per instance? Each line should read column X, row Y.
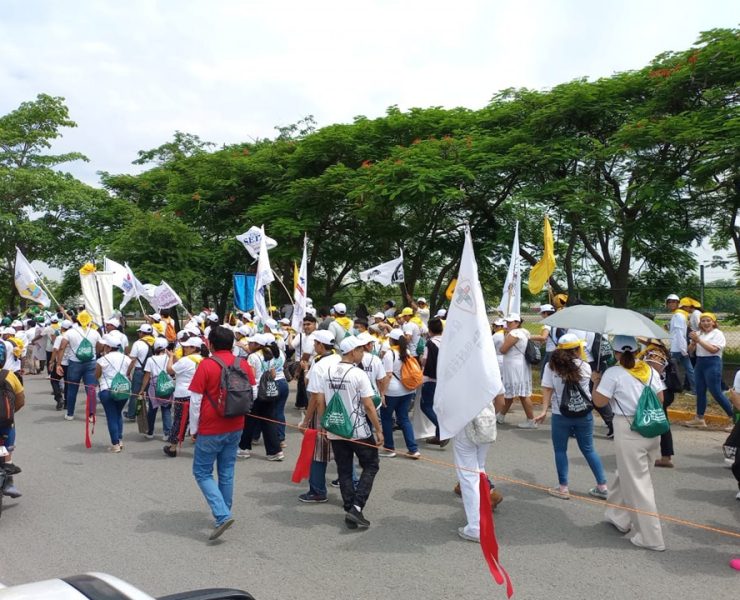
column 696, row 423
column 276, row 457
column 500, row 418
column 738, row 496
column 528, row 424
column 69, row 417
column 243, row 453
column 729, row 462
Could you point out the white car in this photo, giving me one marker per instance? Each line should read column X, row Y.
column 99, row 586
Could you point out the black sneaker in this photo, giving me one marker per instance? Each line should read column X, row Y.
column 310, row 498
column 60, row 405
column 335, row 483
column 356, row 516
column 169, row 451
column 11, row 468
column 350, row 524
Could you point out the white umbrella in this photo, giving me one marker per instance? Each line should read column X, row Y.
column 606, row 320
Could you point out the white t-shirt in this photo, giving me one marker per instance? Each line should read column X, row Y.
column 139, row 351
column 624, row 389
column 318, row 372
column 119, row 335
column 155, row 365
column 551, row 344
column 11, row 362
column 374, row 368
column 303, row 344
column 588, row 339
column 413, row 330
column 184, row 370
column 550, row 379
column 76, row 335
column 677, row 329
column 395, row 387
column 352, row 384
column 736, row 383
column 111, row 364
column 67, row 350
column 715, row 338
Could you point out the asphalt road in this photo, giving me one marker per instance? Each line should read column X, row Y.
column 140, row 516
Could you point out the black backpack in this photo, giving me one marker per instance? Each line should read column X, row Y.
column 7, row 401
column 532, row 353
column 235, row 394
column 575, row 402
column 267, row 390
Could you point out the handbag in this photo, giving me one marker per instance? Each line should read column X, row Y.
column 482, row 429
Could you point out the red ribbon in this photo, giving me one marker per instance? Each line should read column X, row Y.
column 488, row 542
column 303, row 464
column 183, row 421
column 89, row 391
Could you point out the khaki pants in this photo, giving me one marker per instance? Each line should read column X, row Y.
column 633, row 486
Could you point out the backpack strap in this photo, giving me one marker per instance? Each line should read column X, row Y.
column 336, row 389
column 3, row 376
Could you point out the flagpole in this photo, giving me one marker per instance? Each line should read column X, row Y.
column 280, row 281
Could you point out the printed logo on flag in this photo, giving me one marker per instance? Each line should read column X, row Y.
column 464, row 297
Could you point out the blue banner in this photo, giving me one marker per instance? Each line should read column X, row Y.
column 243, row 291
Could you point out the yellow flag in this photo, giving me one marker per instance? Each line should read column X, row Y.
column 451, row 289
column 295, row 275
column 541, row 272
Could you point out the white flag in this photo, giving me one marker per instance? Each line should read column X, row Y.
column 132, row 288
column 263, row 279
column 468, row 378
column 252, row 239
column 165, row 296
column 25, row 281
column 117, row 269
column 388, row 273
column 97, row 293
column 300, row 291
column 511, row 297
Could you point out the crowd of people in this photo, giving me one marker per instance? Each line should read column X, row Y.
column 357, row 380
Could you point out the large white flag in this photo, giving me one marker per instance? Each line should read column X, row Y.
column 262, row 280
column 118, row 270
column 468, row 377
column 25, row 281
column 97, row 293
column 165, row 296
column 251, row 239
column 388, row 273
column 511, row 297
column 132, row 288
column 300, row 291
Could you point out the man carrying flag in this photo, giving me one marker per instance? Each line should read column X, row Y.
column 468, row 383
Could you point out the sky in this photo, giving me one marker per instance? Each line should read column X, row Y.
column 134, row 72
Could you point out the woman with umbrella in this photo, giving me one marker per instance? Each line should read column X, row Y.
column 621, row 387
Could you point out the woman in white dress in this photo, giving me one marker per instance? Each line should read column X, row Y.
column 499, row 334
column 517, row 371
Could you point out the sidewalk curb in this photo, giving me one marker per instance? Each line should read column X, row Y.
column 673, row 415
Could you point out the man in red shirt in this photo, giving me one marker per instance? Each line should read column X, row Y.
column 218, row 437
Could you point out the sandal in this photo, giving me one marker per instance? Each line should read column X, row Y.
column 558, row 493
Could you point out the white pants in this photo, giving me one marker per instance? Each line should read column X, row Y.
column 470, row 456
column 633, row 486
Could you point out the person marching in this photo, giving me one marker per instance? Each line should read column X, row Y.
column 159, row 388
column 140, row 352
column 111, row 366
column 351, row 385
column 621, row 386
column 183, row 370
column 517, row 373
column 567, row 375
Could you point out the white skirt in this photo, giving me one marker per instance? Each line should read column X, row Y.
column 517, row 376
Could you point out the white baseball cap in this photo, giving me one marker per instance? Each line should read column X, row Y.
column 271, row 323
column 213, row 318
column 441, row 313
column 340, row 308
column 349, row 343
column 547, row 308
column 396, row 334
column 324, row 336
column 672, row 297
column 284, row 321
column 365, row 338
column 67, row 324
column 424, row 300
column 192, row 342
column 145, row 328
column 110, row 341
column 379, row 315
column 113, row 321
column 160, row 343
column 156, row 316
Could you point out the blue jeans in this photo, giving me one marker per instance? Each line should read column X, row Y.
column 166, row 418
column 136, row 380
column 113, row 415
column 8, row 433
column 708, row 376
column 283, row 391
column 400, row 405
column 317, row 478
column 582, row 427
column 219, row 449
column 427, row 404
column 76, row 372
column 685, row 363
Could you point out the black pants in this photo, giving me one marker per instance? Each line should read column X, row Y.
column 56, row 380
column 269, row 428
column 344, row 453
column 301, row 396
column 666, row 439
